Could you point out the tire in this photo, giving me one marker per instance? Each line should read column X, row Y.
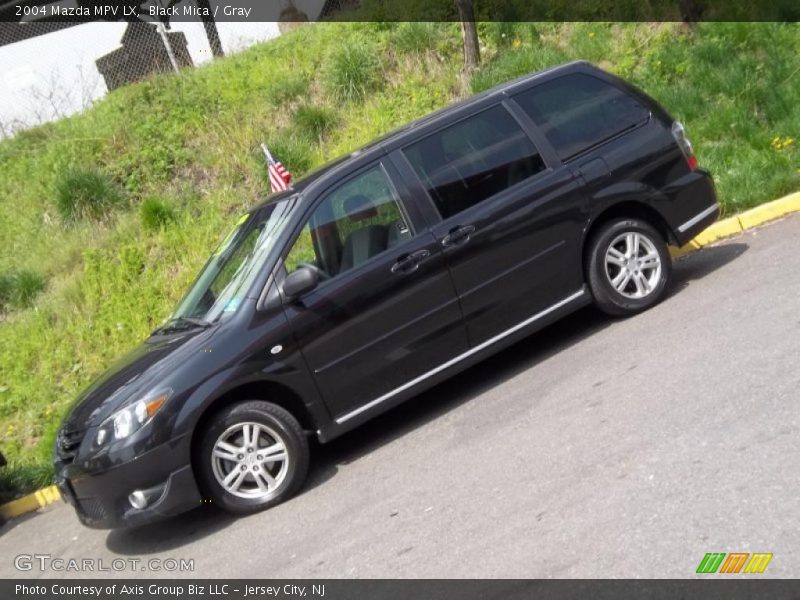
column 255, row 483
column 610, row 260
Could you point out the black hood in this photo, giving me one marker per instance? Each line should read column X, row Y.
column 138, row 372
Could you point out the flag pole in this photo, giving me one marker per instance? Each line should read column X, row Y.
column 270, row 160
column 266, row 153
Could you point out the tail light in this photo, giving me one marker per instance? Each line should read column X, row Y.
column 679, row 133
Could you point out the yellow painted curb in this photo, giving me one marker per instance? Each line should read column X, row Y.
column 29, row 503
column 741, row 222
column 770, row 211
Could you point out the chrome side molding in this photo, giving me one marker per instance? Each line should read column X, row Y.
column 460, row 357
column 697, row 218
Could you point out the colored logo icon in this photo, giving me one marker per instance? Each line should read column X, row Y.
column 736, row 562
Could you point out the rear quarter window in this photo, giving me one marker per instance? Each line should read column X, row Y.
column 576, row 112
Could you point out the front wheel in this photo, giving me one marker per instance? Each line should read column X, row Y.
column 628, row 267
column 253, row 455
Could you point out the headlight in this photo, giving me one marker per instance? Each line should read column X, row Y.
column 131, row 418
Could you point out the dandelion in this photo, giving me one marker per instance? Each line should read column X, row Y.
column 591, row 34
column 782, row 143
column 516, row 43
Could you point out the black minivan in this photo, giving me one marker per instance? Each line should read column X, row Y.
column 380, row 275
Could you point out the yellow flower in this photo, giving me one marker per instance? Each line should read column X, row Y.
column 782, row 143
column 516, row 43
column 591, row 34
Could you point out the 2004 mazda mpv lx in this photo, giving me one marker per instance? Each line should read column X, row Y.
column 380, row 275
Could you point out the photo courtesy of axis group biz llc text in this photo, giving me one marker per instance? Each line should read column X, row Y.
column 171, row 589
column 399, row 299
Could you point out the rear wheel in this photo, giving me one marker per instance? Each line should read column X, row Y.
column 628, row 266
column 253, row 455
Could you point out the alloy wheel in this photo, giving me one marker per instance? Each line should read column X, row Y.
column 633, row 265
column 250, row 460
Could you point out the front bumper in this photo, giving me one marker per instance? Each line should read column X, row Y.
column 101, row 499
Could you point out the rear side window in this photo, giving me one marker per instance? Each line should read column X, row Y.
column 578, row 111
column 473, row 160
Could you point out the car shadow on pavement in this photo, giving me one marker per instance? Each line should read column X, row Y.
column 7, row 526
column 497, row 369
column 467, row 385
column 417, row 412
column 171, row 533
column 704, row 262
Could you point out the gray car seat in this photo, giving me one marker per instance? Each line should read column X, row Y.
column 365, row 242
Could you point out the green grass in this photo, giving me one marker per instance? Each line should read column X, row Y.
column 313, row 121
column 156, row 213
column 180, row 158
column 414, row 37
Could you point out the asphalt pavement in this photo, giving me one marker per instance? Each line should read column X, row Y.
column 594, row 448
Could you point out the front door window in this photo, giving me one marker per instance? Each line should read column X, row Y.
column 353, row 224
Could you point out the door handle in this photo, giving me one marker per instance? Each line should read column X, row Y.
column 458, row 236
column 410, row 262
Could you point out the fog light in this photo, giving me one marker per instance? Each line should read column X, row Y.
column 141, row 499
column 138, row 499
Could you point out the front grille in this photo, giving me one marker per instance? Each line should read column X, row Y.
column 91, row 508
column 67, row 444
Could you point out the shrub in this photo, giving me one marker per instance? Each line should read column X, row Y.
column 6, row 289
column 19, row 289
column 155, row 213
column 352, row 70
column 85, row 193
column 415, row 37
column 313, row 121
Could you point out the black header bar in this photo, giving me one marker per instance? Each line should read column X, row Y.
column 714, row 587
column 29, row 12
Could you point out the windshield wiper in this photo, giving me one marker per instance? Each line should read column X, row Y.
column 182, row 324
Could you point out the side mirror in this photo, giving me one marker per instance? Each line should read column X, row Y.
column 299, row 282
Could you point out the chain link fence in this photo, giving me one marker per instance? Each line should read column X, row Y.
column 51, row 69
column 62, row 70
column 145, row 49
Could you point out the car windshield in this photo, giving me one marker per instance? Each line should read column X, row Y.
column 237, row 261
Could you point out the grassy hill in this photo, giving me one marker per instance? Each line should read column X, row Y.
column 106, row 216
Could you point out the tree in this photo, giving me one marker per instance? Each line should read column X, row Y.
column 291, row 17
column 469, row 35
column 691, row 12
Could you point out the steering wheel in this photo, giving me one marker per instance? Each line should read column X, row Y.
column 321, row 275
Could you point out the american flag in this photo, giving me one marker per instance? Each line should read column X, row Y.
column 279, row 178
